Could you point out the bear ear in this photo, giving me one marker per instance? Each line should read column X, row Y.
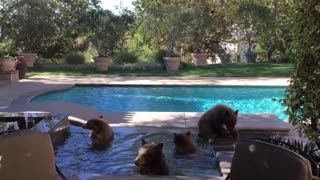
column 236, row 112
column 188, row 133
column 159, row 146
column 143, row 141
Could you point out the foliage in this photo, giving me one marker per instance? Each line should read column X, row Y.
column 276, row 37
column 303, row 94
column 158, row 55
column 46, row 27
column 162, row 24
column 75, row 58
column 7, row 48
column 107, row 30
column 204, row 23
column 125, row 58
column 88, row 69
column 252, row 18
column 40, row 62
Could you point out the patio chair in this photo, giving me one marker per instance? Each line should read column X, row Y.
column 27, row 154
column 255, row 159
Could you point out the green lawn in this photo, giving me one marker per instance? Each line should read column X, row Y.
column 216, row 70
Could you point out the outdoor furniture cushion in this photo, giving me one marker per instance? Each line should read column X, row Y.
column 27, row 154
column 264, row 161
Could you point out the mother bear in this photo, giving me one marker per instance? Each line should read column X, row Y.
column 219, row 121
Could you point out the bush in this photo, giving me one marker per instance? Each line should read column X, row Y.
column 158, row 56
column 303, row 93
column 75, row 58
column 7, row 48
column 125, row 58
column 40, row 62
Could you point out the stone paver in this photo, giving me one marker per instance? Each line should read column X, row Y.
column 246, row 122
column 149, row 119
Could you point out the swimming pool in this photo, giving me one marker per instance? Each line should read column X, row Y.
column 173, row 98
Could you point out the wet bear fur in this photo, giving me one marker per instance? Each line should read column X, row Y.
column 151, row 160
column 183, row 143
column 101, row 133
column 219, row 121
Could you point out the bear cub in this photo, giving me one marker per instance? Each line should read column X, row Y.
column 151, row 159
column 101, row 133
column 183, row 143
column 219, row 121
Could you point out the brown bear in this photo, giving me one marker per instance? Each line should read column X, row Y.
column 151, row 160
column 101, row 133
column 219, row 121
column 183, row 143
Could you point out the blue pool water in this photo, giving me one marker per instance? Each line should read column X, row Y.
column 173, row 98
column 76, row 155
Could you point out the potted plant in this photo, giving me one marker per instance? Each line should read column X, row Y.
column 199, row 26
column 107, row 31
column 104, row 58
column 199, row 57
column 252, row 20
column 171, row 30
column 29, row 58
column 7, row 64
column 22, row 67
column 172, row 59
column 251, row 56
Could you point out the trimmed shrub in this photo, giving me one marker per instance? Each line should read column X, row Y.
column 140, row 66
column 75, row 58
column 125, row 58
column 40, row 62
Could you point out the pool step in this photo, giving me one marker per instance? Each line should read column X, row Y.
column 247, row 123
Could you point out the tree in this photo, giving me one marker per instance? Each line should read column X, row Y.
column 106, row 30
column 276, row 37
column 303, row 94
column 163, row 24
column 252, row 18
column 48, row 27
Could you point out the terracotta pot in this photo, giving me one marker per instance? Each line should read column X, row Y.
column 172, row 63
column 7, row 64
column 251, row 57
column 29, row 58
column 102, row 63
column 199, row 59
column 22, row 67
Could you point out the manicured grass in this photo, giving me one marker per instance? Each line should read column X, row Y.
column 216, row 70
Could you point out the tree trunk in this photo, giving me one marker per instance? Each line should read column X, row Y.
column 273, row 33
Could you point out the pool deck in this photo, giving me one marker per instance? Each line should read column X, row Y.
column 17, row 96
